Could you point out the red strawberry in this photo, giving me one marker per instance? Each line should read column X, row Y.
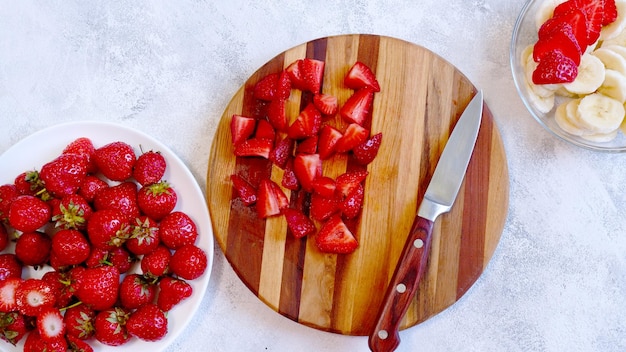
column 4, row 237
column 281, row 152
column 326, row 103
column 7, row 294
column 335, row 237
column 71, row 212
column 110, row 326
column 149, row 168
column 148, row 323
column 245, row 191
column 9, row 266
column 352, row 204
column 77, row 345
column 120, row 258
column 171, row 292
column 116, row 160
column 322, row 208
column 188, row 262
column 33, row 295
column 270, row 199
column 307, row 168
column 177, row 229
column 28, row 213
column 62, row 286
column 254, row 147
column 361, row 76
column 273, row 86
column 8, row 193
column 108, row 229
column 71, row 246
column 144, row 236
column 358, row 106
column 555, row 68
column 33, row 248
column 573, row 21
column 29, row 183
column 90, row 186
column 306, row 74
column 79, row 321
column 35, row 343
column 307, row 124
column 594, row 13
column 307, row 146
column 64, row 175
column 98, row 287
column 97, row 257
column 561, row 40
column 348, row 181
column 610, row 12
column 276, row 114
column 265, row 130
column 324, row 186
column 328, row 138
column 299, row 224
column 156, row 263
column 50, row 324
column 83, row 146
column 13, row 327
column 289, row 180
column 366, row 152
column 241, row 127
column 121, row 197
column 136, row 291
column 157, row 200
column 354, row 135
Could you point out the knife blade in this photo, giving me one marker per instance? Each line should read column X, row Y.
column 438, row 199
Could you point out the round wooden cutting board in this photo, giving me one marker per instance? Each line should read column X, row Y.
column 421, row 98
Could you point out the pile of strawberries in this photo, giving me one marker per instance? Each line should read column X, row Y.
column 87, row 221
column 299, row 145
column 574, row 26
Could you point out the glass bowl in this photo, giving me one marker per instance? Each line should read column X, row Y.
column 533, row 14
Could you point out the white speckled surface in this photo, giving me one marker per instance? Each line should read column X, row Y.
column 557, row 281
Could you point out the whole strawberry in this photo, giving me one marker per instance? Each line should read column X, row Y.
column 61, row 285
column 188, row 262
column 64, row 175
column 79, row 321
column 4, row 237
column 8, row 193
column 9, row 266
column 122, row 197
column 84, row 147
column 148, row 323
column 36, row 343
column 28, row 213
column 135, row 291
column 149, row 168
column 77, row 345
column 91, row 186
column 33, row 248
column 157, row 199
column 120, row 258
column 71, row 247
column 110, row 326
column 29, row 182
column 156, row 263
column 115, row 160
column 13, row 327
column 144, row 236
column 177, row 229
column 98, row 287
column 71, row 212
column 107, row 229
column 171, row 292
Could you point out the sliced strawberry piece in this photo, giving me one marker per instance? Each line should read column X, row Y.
column 265, row 130
column 50, row 324
column 324, row 186
column 327, row 141
column 555, row 68
column 348, row 181
column 290, row 181
column 254, row 147
column 351, row 206
column 352, row 137
column 266, row 87
column 562, row 40
column 312, row 73
column 366, row 152
column 245, row 191
column 295, row 74
column 573, row 21
column 276, row 114
column 8, row 287
column 610, row 12
column 299, row 224
column 594, row 14
column 33, row 295
column 307, row 123
column 307, row 168
column 307, row 146
column 283, row 87
column 358, row 106
column 241, row 128
column 281, row 152
column 360, row 76
column 271, row 199
column 322, row 207
column 335, row 237
column 326, row 103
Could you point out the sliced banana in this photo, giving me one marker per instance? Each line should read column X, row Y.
column 618, row 39
column 611, row 59
column 542, row 103
column 590, row 75
column 600, row 114
column 614, row 85
column 618, row 49
column 564, row 122
column 614, row 29
column 600, row 137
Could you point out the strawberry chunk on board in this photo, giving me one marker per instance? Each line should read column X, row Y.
column 241, row 127
column 354, row 135
column 358, row 106
column 307, row 168
column 326, row 103
column 335, row 237
column 306, row 74
column 271, row 199
column 367, row 151
column 255, row 147
column 298, row 223
column 245, row 191
column 307, row 124
column 361, row 76
column 327, row 141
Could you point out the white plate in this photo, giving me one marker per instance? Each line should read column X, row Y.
column 35, row 150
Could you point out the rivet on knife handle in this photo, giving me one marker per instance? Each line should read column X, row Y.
column 401, row 290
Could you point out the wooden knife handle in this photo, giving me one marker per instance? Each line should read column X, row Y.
column 402, row 287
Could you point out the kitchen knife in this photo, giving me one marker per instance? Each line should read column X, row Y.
column 438, row 198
